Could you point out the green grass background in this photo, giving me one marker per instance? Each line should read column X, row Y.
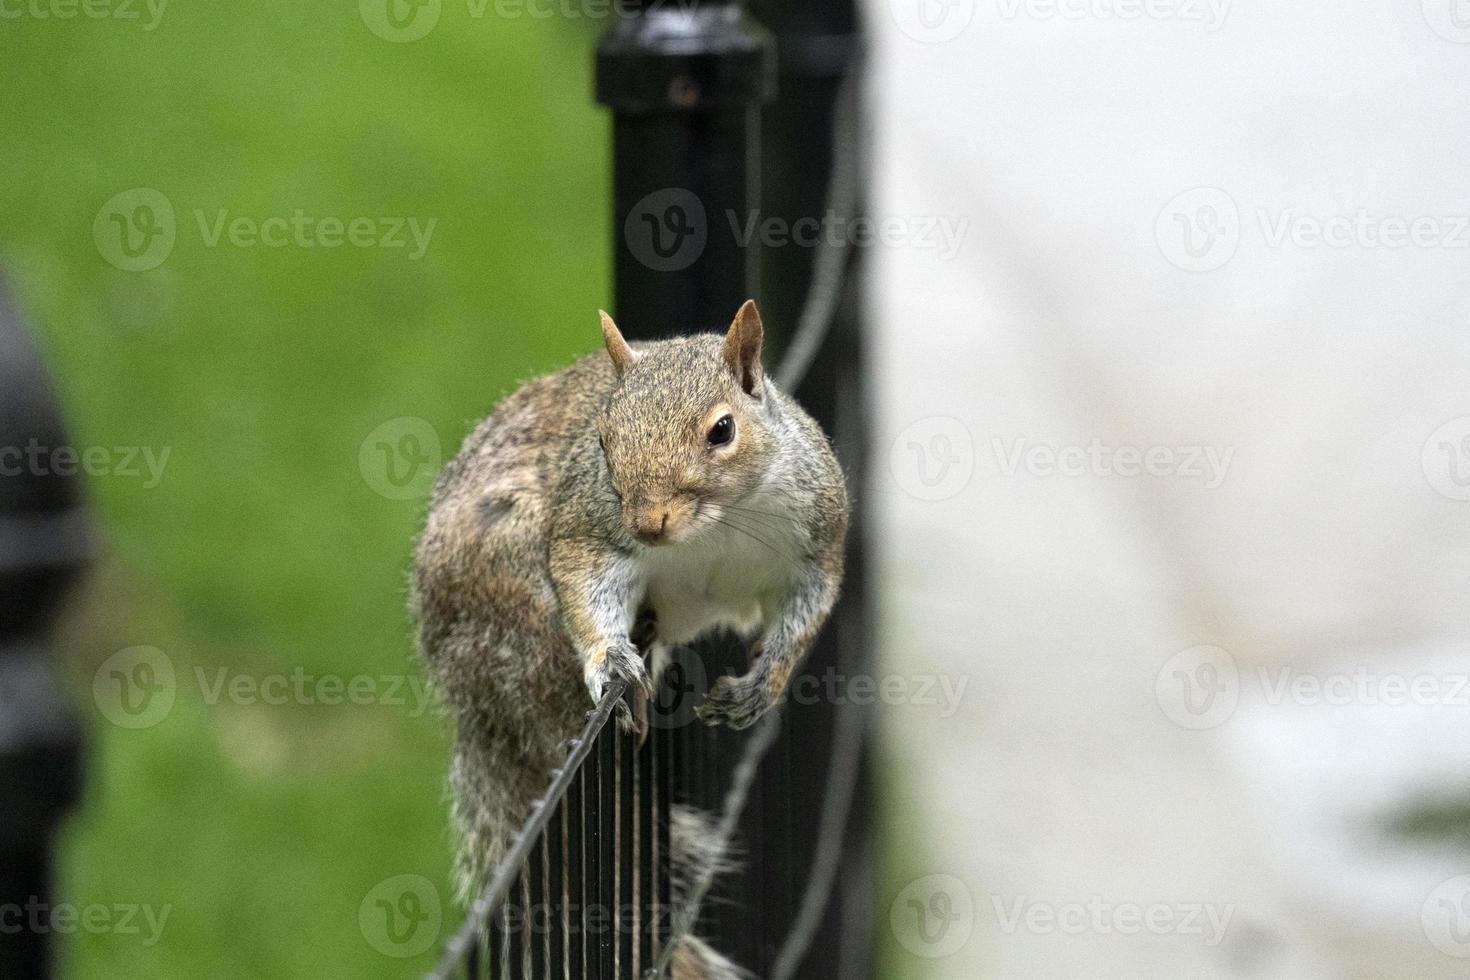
column 262, row 370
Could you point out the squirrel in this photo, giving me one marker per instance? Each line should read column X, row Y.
column 659, row 489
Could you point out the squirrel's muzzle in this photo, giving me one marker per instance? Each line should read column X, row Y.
column 650, row 525
column 659, row 523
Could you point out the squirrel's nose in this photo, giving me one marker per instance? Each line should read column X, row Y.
column 649, row 526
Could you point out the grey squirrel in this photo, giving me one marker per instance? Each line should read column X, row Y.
column 666, row 483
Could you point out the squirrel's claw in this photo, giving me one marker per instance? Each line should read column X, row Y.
column 738, row 702
column 632, row 712
column 624, row 662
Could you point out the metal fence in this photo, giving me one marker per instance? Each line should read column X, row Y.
column 585, row 891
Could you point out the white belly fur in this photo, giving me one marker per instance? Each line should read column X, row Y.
column 719, row 578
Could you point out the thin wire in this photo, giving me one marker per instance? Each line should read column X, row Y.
column 829, row 268
column 456, row 951
column 740, row 782
column 847, row 741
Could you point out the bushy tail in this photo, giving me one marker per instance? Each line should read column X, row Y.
column 696, row 851
column 491, row 802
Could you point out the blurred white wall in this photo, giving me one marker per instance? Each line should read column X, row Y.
column 1199, row 681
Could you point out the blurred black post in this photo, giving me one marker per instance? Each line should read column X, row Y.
column 44, row 544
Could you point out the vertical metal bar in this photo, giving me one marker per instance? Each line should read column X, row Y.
column 576, row 887
column 591, row 891
column 607, row 858
column 515, row 930
column 629, row 921
column 664, row 784
column 496, row 955
column 646, row 863
column 535, row 877
column 556, row 890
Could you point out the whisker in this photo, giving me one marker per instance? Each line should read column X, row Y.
column 774, row 521
column 757, row 538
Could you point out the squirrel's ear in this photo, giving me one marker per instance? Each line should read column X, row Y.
column 617, row 348
column 743, row 348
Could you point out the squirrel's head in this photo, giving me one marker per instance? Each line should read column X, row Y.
column 687, row 428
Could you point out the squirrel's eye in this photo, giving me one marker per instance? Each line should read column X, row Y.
column 722, row 431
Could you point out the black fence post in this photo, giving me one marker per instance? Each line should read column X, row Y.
column 684, row 81
column 44, row 544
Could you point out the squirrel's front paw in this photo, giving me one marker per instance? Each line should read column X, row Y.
column 736, row 701
column 623, row 662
